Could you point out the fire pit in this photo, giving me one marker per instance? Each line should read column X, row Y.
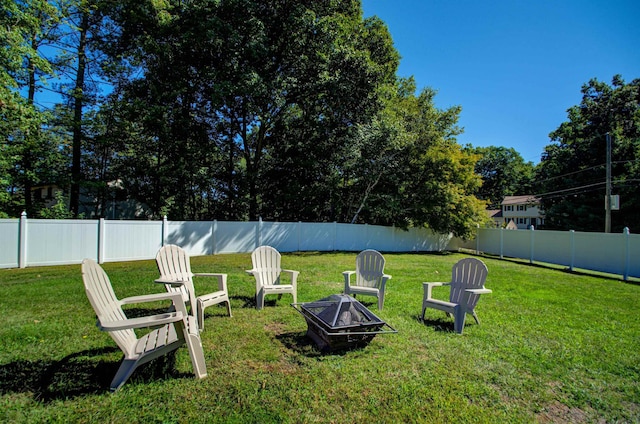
column 339, row 322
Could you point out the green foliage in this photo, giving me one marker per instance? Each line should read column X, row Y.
column 236, row 109
column 59, row 210
column 536, row 357
column 572, row 173
column 504, row 173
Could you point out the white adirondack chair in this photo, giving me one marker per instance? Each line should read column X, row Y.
column 370, row 278
column 175, row 273
column 172, row 329
column 267, row 271
column 467, row 284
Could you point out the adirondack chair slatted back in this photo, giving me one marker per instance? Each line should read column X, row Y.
column 105, row 303
column 174, row 264
column 369, row 268
column 266, row 261
column 468, row 273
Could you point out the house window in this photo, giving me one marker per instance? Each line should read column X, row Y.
column 508, row 207
column 522, row 207
column 522, row 221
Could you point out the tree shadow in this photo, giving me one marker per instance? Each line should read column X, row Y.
column 78, row 374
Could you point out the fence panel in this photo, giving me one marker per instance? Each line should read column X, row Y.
column 9, row 248
column 232, row 237
column 283, row 236
column 318, row 236
column 196, row 237
column 554, row 247
column 600, row 252
column 131, row 240
column 58, row 242
column 351, row 238
column 516, row 243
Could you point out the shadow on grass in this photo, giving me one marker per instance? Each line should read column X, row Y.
column 438, row 324
column 78, row 374
column 302, row 344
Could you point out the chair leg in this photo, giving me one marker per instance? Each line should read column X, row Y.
column 459, row 318
column 260, row 299
column 127, row 367
column 200, row 315
column 229, row 308
column 473, row 313
column 196, row 353
column 380, row 302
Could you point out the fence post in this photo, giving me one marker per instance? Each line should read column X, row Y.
column 22, row 240
column 627, row 260
column 259, row 232
column 214, row 248
column 165, row 230
column 532, row 245
column 101, row 240
column 572, row 240
column 299, row 231
column 335, row 234
column 501, row 243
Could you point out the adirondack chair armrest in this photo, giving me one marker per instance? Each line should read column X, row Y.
column 174, row 297
column 140, row 322
column 347, row 275
column 222, row 279
column 429, row 286
column 383, row 281
column 251, row 271
column 293, row 274
column 479, row 291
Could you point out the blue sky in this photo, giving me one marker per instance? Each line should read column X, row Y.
column 514, row 66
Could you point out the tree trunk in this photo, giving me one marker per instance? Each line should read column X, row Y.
column 78, row 99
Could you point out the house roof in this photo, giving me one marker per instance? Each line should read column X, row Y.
column 494, row 213
column 521, row 200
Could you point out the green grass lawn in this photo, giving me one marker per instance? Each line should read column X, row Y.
column 553, row 347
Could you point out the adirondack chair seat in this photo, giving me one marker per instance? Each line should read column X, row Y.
column 467, row 284
column 267, row 271
column 372, row 291
column 168, row 332
column 174, row 266
column 370, row 278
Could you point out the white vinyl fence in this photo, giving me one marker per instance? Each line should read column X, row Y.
column 604, row 252
column 38, row 242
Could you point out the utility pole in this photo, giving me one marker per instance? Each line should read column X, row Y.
column 607, row 198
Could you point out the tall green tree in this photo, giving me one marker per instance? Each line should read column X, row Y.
column 25, row 152
column 572, row 174
column 441, row 182
column 504, row 173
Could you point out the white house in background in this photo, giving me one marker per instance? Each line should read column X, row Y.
column 496, row 217
column 524, row 211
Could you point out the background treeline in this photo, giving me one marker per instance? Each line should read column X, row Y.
column 239, row 109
